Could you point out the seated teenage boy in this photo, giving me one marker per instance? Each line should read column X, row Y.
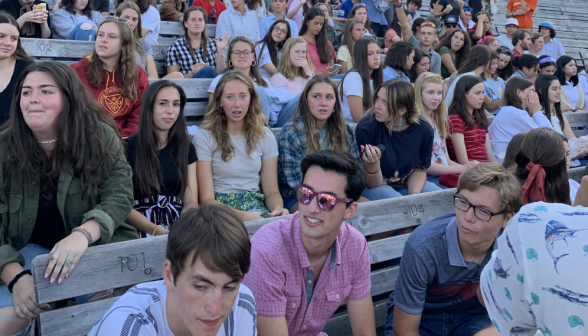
column 304, row 266
column 207, row 254
column 443, row 259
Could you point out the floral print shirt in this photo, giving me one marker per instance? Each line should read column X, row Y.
column 439, row 154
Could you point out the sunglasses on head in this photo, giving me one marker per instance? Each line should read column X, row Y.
column 505, row 50
column 428, row 24
column 468, row 9
column 325, row 201
column 119, row 19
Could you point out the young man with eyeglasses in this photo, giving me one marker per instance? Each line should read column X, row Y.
column 440, row 269
column 426, row 38
column 213, row 8
column 304, row 266
column 279, row 7
column 512, row 25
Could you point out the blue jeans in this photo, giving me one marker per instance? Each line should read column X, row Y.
column 445, row 324
column 287, row 112
column 435, row 181
column 386, row 191
column 338, row 76
column 266, row 101
column 206, row 72
column 289, row 203
column 79, row 34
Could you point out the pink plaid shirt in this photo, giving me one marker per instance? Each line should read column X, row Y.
column 281, row 276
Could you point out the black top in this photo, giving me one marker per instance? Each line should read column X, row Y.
column 101, row 5
column 8, row 93
column 49, row 227
column 13, row 7
column 454, row 11
column 405, row 151
column 171, row 178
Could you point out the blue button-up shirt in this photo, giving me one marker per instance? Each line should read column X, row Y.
column 552, row 48
column 266, row 22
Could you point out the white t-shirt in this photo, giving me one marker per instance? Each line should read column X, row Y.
column 351, row 87
column 152, row 21
column 141, row 312
column 574, row 186
column 264, row 59
column 214, row 83
column 449, row 95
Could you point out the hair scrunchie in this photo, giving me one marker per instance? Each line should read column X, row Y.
column 534, row 187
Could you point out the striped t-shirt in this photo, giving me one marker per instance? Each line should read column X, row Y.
column 141, row 311
column 475, row 139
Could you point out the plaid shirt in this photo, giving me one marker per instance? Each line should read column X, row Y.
column 292, row 146
column 178, row 53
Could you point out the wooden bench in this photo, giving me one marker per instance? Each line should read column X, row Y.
column 132, row 262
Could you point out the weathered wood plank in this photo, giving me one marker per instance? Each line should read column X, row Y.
column 175, row 28
column 339, row 325
column 79, row 319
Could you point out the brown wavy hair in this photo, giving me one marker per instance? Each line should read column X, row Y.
column 19, row 53
column 147, row 174
column 127, row 67
column 464, row 52
column 216, row 120
column 336, row 126
column 69, row 6
column 203, row 38
column 254, row 68
column 138, row 28
column 79, row 127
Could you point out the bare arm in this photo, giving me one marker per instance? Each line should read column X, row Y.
column 524, row 7
column 438, row 13
column 144, row 32
column 437, row 169
column 492, row 105
column 405, row 324
column 416, row 181
column 343, row 66
column 461, row 11
column 448, row 63
column 371, row 161
column 489, row 153
column 581, row 198
column 45, row 30
column 293, row 10
column 176, row 68
column 404, row 26
column 150, row 65
column 206, row 190
column 272, row 326
column 190, row 197
column 142, row 224
column 269, row 184
column 361, row 317
column 458, row 141
column 356, row 107
column 479, row 33
column 567, row 130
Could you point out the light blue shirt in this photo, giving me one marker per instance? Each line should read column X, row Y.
column 505, row 41
column 536, row 279
column 266, row 22
column 552, row 48
column 374, row 14
column 494, row 88
column 390, row 73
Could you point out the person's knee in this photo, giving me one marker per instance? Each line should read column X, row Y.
column 10, row 324
column 176, row 74
column 86, row 26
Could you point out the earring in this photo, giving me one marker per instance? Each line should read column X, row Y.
column 230, row 64
column 333, row 110
column 399, row 125
column 254, row 63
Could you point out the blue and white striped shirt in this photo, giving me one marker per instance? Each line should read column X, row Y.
column 552, row 48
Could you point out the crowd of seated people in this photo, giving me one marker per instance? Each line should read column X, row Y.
column 92, row 153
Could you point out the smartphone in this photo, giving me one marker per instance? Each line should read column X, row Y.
column 335, row 67
column 381, row 147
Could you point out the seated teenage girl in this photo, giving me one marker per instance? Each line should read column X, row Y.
column 422, row 63
column 13, row 61
column 468, row 124
column 143, row 51
column 505, row 66
column 357, row 87
column 399, row 60
column 547, row 65
column 549, row 90
column 76, row 20
column 478, row 59
column 70, row 187
column 34, row 23
column 454, row 49
column 269, row 49
column 321, row 51
column 527, row 66
column 354, row 30
column 196, row 55
column 394, row 122
column 493, row 85
column 572, row 95
column 360, row 12
column 429, row 103
column 520, row 114
column 237, row 154
column 318, row 124
column 150, row 20
column 163, row 161
column 113, row 76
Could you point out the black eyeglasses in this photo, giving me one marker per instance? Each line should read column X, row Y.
column 119, row 19
column 480, row 213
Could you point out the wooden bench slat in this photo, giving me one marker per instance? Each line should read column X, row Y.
column 79, row 319
column 339, row 325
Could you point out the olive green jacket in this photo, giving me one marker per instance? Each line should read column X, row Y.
column 110, row 207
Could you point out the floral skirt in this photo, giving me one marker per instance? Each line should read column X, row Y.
column 159, row 210
column 250, row 201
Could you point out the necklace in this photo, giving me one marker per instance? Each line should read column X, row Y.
column 47, row 142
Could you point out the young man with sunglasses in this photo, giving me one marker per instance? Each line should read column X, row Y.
column 426, row 38
column 304, row 266
column 465, row 18
column 440, row 269
column 512, row 25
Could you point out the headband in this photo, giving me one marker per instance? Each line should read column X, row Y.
column 546, row 60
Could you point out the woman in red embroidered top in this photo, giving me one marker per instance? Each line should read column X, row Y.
column 112, row 75
column 468, row 125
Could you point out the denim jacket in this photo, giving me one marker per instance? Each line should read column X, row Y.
column 109, row 207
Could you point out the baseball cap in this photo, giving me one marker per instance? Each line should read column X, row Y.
column 450, row 19
column 546, row 25
column 512, row 21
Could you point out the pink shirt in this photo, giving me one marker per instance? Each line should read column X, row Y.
column 314, row 56
column 281, row 276
column 295, row 87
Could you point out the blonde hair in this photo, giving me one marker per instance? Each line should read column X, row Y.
column 285, row 66
column 439, row 115
column 493, row 175
column 137, row 32
column 216, row 120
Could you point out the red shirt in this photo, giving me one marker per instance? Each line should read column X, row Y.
column 124, row 111
column 473, row 30
column 219, row 6
column 475, row 139
column 516, row 53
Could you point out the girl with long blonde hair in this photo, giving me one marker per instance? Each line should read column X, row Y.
column 113, row 76
column 318, row 124
column 237, row 153
column 431, row 106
